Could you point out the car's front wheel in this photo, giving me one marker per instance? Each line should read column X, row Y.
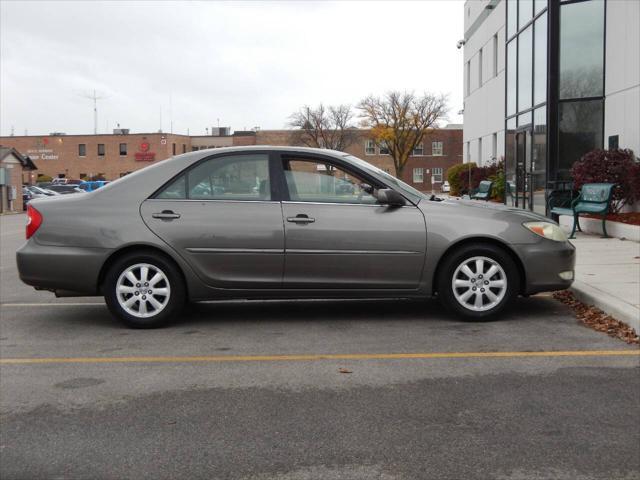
column 144, row 290
column 478, row 281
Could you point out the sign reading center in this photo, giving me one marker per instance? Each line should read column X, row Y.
column 144, row 155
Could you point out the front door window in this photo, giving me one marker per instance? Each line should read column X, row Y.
column 317, row 181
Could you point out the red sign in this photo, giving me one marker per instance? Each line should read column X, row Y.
column 144, row 155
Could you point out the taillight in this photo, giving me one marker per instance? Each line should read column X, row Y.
column 34, row 220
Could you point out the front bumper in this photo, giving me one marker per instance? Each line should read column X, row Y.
column 70, row 269
column 544, row 262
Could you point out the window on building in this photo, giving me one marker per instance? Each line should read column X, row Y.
column 494, row 146
column 418, row 175
column 495, row 55
column 580, row 130
column 101, row 150
column 614, row 142
column 479, row 160
column 512, row 18
column 512, row 73
column 468, row 77
column 418, row 151
column 123, row 149
column 436, row 175
column 525, row 12
column 436, row 148
column 538, row 6
column 525, row 68
column 384, row 149
column 539, row 159
column 540, row 60
column 369, row 147
column 184, row 148
column 480, row 61
column 82, row 150
column 581, row 49
column 194, row 149
column 83, row 176
column 173, row 148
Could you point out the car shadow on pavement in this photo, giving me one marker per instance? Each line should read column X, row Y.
column 336, row 312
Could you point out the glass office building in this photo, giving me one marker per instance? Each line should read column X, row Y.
column 545, row 82
column 554, row 93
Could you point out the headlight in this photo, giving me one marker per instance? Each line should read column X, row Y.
column 547, row 230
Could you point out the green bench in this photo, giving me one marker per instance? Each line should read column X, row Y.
column 594, row 198
column 483, row 192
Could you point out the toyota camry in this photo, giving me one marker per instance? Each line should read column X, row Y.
column 286, row 223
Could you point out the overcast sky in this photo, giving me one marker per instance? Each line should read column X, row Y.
column 246, row 64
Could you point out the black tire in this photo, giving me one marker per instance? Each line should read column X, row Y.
column 448, row 295
column 174, row 303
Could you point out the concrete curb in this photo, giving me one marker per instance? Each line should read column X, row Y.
column 618, row 309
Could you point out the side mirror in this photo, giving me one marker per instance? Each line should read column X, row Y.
column 387, row 196
column 366, row 188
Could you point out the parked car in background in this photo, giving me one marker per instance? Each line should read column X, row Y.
column 91, row 185
column 65, row 189
column 164, row 235
column 26, row 197
column 446, row 188
column 66, row 181
column 38, row 192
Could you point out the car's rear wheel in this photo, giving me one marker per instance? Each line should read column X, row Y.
column 144, row 290
column 478, row 281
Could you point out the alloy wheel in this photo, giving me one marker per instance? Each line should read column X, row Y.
column 479, row 283
column 143, row 290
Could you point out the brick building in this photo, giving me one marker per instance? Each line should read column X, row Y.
column 111, row 156
column 15, row 169
column 84, row 156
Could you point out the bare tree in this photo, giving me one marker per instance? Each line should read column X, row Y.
column 400, row 120
column 323, row 127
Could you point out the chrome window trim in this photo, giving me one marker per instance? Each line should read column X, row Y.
column 208, row 200
column 378, row 205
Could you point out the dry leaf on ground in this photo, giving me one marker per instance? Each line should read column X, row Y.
column 596, row 319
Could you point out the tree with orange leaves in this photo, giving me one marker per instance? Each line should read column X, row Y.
column 400, row 121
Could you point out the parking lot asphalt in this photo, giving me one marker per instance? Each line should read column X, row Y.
column 309, row 390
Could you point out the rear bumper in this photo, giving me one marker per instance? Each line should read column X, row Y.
column 70, row 269
column 544, row 262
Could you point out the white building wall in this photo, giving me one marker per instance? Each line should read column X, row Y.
column 484, row 106
column 622, row 75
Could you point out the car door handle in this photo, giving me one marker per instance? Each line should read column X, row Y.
column 301, row 218
column 166, row 215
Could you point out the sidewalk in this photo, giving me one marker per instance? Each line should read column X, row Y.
column 608, row 276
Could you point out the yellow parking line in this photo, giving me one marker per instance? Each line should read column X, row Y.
column 314, row 357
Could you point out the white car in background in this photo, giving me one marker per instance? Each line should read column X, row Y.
column 446, row 188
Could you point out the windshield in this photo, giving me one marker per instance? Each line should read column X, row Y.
column 409, row 191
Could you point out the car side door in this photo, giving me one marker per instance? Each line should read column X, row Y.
column 337, row 234
column 223, row 218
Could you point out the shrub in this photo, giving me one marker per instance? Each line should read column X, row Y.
column 610, row 166
column 498, row 179
column 454, row 174
column 459, row 176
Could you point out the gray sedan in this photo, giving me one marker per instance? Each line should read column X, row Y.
column 280, row 222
